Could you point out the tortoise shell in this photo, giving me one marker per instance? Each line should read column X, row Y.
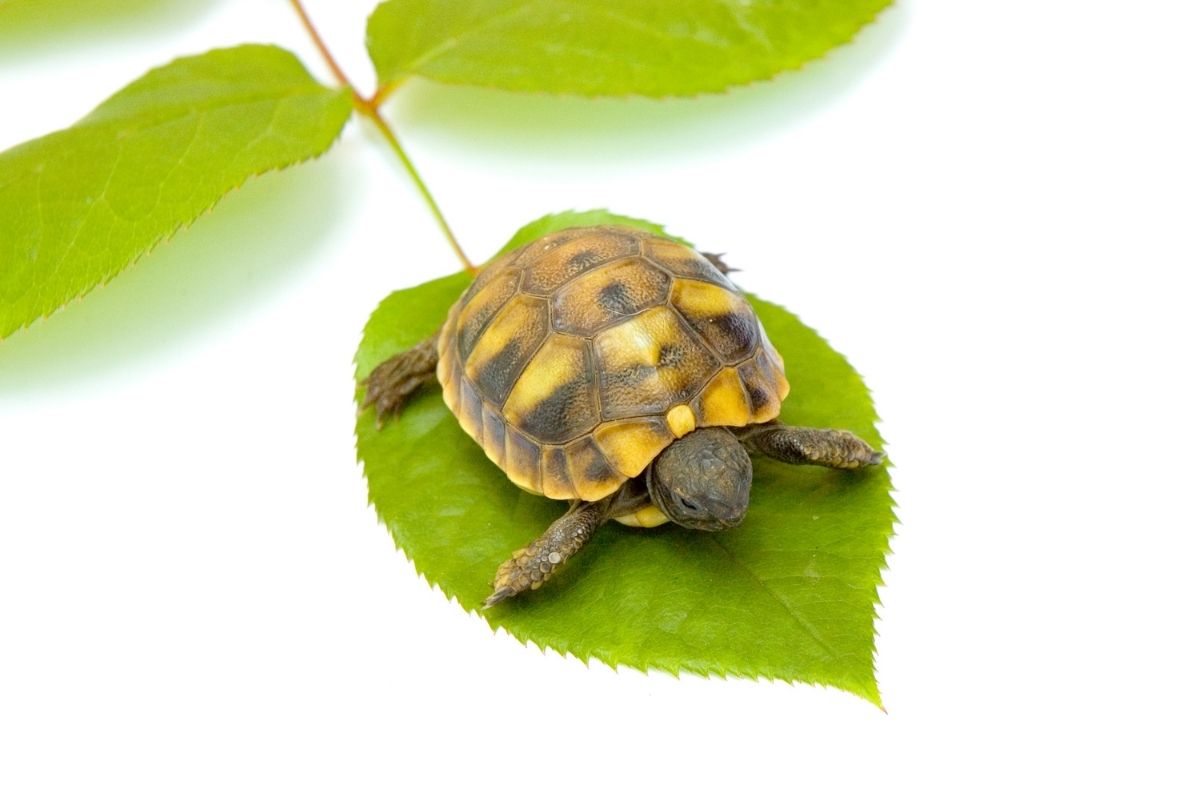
column 576, row 359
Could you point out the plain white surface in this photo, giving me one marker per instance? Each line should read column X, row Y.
column 991, row 208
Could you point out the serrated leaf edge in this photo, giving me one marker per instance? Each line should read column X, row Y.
column 837, row 43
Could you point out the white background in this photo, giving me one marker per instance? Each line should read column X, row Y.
column 991, row 208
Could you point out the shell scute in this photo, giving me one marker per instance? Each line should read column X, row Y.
column 723, row 401
column 493, row 434
column 765, row 387
column 554, row 401
column 684, row 262
column 548, row 266
column 522, row 460
column 499, row 357
column 607, row 294
column 470, row 409
column 649, row 363
column 475, row 315
column 722, row 318
column 631, row 444
column 556, row 474
column 591, row 473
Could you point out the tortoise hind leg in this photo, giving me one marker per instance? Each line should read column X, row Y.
column 390, row 384
column 820, row 446
column 718, row 261
column 532, row 565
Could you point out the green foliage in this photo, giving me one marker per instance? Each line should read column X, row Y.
column 789, row 594
column 655, row 48
column 79, row 205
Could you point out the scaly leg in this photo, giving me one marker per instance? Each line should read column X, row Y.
column 390, row 384
column 532, row 565
column 820, row 446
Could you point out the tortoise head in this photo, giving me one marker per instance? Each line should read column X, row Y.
column 702, row 480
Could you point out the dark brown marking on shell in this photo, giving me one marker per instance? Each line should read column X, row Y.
column 616, row 299
column 721, row 316
column 512, row 339
column 671, row 355
column 774, row 383
column 569, row 410
column 550, row 267
column 758, row 379
column 497, row 375
column 608, row 294
column 734, row 336
column 758, row 397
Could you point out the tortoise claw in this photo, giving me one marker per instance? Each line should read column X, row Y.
column 502, row 593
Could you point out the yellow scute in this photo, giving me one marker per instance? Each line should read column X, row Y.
column 703, row 299
column 559, row 361
column 723, row 401
column 632, row 444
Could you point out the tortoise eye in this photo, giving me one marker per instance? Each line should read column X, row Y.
column 688, row 504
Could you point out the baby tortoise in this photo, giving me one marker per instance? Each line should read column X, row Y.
column 620, row 371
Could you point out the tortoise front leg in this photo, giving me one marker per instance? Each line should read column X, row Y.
column 532, row 565
column 390, row 384
column 820, row 446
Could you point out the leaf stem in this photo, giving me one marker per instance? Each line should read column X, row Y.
column 372, row 113
column 369, row 108
column 320, row 43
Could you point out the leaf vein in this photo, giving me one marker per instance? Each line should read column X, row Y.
column 467, row 33
column 803, row 623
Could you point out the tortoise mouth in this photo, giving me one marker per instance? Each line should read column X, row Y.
column 707, row 513
column 715, row 523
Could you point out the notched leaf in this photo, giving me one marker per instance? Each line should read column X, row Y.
column 79, row 205
column 607, row 47
column 789, row 594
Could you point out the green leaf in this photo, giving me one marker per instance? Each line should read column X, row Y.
column 789, row 594
column 80, row 205
column 655, row 48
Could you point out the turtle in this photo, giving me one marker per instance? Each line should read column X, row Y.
column 621, row 371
